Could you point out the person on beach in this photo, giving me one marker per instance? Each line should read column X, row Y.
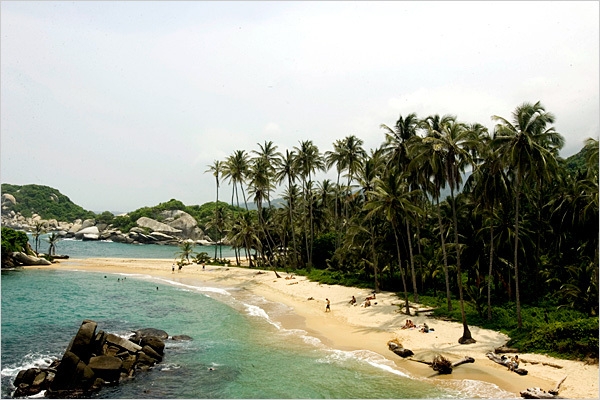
column 352, row 300
column 514, row 363
column 328, row 306
column 203, row 265
column 425, row 328
column 173, row 268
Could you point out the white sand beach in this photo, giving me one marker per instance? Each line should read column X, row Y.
column 349, row 327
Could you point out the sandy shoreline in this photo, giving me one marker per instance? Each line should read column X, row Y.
column 349, row 327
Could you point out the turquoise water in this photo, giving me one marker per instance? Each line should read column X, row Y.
column 234, row 332
column 88, row 249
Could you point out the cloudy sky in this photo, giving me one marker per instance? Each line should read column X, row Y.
column 121, row 105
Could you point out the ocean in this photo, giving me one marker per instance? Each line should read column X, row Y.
column 239, row 350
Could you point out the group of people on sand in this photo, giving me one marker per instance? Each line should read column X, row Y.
column 411, row 325
column 366, row 303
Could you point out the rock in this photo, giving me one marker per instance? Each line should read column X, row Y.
column 91, row 230
column 81, row 343
column 88, row 223
column 106, row 367
column 90, row 236
column 152, row 353
column 185, row 223
column 154, row 342
column 154, row 225
column 122, row 343
column 181, row 337
column 159, row 333
column 91, row 360
column 25, row 259
column 8, row 199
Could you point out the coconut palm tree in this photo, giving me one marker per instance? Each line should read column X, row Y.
column 186, row 247
column 308, row 161
column 52, row 239
column 38, row 230
column 287, row 171
column 217, row 169
column 390, row 199
column 528, row 147
column 428, row 159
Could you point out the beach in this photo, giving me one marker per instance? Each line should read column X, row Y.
column 352, row 327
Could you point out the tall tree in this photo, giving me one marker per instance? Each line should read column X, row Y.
column 308, row 161
column 216, row 169
column 287, row 171
column 528, row 147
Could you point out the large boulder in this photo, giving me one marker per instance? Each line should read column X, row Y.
column 25, row 259
column 82, row 341
column 156, row 226
column 185, row 223
column 106, row 367
column 89, row 233
column 8, row 199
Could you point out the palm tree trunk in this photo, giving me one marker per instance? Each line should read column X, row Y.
column 446, row 275
column 412, row 264
column 374, row 253
column 489, row 286
column 466, row 332
column 516, row 253
column 401, row 269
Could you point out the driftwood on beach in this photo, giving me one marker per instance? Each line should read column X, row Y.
column 506, row 362
column 442, row 365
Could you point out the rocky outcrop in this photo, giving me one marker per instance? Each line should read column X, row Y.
column 92, row 360
column 177, row 227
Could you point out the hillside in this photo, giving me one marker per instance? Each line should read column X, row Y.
column 47, row 202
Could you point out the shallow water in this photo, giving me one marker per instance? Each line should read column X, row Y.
column 251, row 355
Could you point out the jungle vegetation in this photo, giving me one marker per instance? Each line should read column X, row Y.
column 442, row 208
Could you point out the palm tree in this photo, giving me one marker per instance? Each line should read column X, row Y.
column 187, row 248
column 389, row 199
column 308, row 161
column 52, row 239
column 236, row 169
column 38, row 230
column 489, row 184
column 527, row 146
column 217, row 168
column 287, row 171
column 428, row 160
column 453, row 141
column 271, row 160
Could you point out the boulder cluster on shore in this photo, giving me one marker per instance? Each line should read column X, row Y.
column 176, row 226
column 94, row 359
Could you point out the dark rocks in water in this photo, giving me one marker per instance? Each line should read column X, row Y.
column 181, row 337
column 140, row 333
column 91, row 361
column 154, row 342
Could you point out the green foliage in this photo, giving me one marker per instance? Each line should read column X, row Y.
column 329, row 277
column 45, row 201
column 323, row 249
column 568, row 334
column 13, row 240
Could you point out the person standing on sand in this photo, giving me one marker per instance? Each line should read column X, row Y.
column 328, row 306
column 203, row 265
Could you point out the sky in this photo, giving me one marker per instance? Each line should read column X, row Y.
column 125, row 104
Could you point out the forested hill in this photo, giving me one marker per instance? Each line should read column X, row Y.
column 45, row 201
